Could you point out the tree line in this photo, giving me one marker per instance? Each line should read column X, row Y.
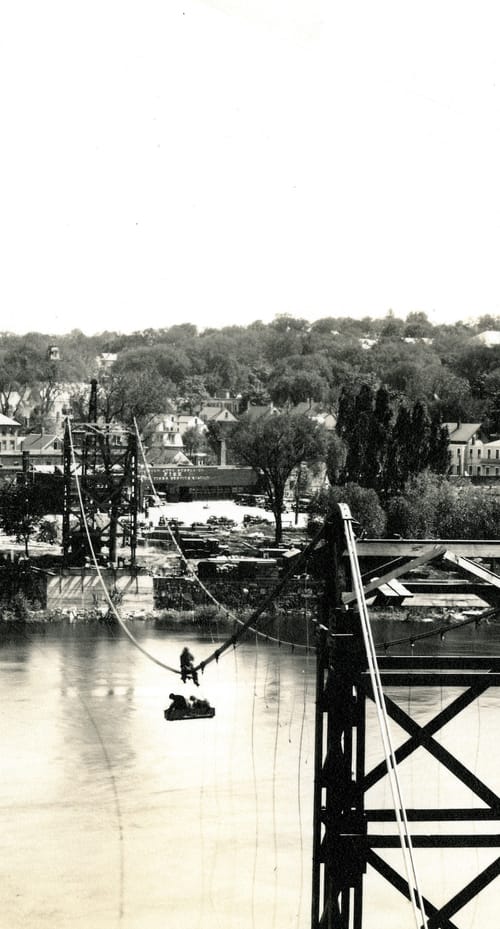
column 391, row 384
column 287, row 361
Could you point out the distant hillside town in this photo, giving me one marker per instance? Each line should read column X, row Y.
column 184, row 386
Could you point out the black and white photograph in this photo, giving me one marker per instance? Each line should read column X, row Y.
column 249, row 464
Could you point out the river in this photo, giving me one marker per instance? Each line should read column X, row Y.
column 112, row 818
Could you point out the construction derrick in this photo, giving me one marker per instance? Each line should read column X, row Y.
column 346, row 842
column 106, row 461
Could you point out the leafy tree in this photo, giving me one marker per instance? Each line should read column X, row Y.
column 363, row 503
column 254, row 392
column 487, row 322
column 131, row 394
column 451, row 395
column 194, row 440
column 194, row 394
column 392, row 327
column 274, row 446
column 287, row 336
column 473, row 514
column 21, row 509
column 297, row 386
column 412, row 514
column 418, row 326
column 9, row 384
column 433, row 507
column 335, row 458
column 173, row 363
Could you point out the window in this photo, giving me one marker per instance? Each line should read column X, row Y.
column 479, row 453
column 497, row 453
column 489, row 453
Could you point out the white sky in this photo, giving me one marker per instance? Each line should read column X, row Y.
column 221, row 161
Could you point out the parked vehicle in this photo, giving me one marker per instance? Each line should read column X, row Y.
column 224, row 521
column 245, row 499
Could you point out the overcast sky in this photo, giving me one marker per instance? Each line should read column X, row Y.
column 221, row 161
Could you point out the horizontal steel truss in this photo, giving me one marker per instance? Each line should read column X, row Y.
column 343, row 844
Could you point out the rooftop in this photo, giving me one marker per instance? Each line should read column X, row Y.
column 462, row 432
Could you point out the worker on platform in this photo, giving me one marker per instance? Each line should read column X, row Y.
column 187, row 667
column 200, row 705
column 178, row 704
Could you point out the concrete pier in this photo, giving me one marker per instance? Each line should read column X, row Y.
column 81, row 589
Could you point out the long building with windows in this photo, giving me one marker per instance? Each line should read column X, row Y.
column 202, row 482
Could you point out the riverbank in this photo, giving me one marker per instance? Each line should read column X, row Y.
column 211, row 617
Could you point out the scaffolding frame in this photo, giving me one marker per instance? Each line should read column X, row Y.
column 108, row 475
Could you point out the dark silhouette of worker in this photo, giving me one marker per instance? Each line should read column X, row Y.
column 187, row 667
column 201, row 705
column 178, row 704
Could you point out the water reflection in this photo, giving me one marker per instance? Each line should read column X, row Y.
column 123, row 820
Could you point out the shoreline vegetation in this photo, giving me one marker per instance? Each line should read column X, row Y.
column 212, row 619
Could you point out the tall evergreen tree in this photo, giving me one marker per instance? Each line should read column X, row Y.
column 358, row 439
column 439, row 451
column 379, row 437
column 399, row 455
column 420, row 437
column 345, row 414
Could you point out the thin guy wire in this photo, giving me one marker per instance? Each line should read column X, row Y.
column 399, row 808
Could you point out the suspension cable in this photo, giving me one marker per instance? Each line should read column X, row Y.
column 379, row 700
column 111, row 605
column 443, row 630
column 247, row 625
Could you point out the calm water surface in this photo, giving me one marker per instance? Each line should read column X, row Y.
column 111, row 818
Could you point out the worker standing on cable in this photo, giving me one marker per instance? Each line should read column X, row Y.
column 187, row 667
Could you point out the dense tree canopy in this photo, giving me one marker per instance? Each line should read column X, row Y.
column 432, row 508
column 387, row 441
column 390, row 382
column 289, row 360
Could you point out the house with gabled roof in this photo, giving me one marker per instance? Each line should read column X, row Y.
column 187, row 421
column 45, row 449
column 213, row 414
column 316, row 412
column 465, row 445
column 253, row 413
column 170, row 456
